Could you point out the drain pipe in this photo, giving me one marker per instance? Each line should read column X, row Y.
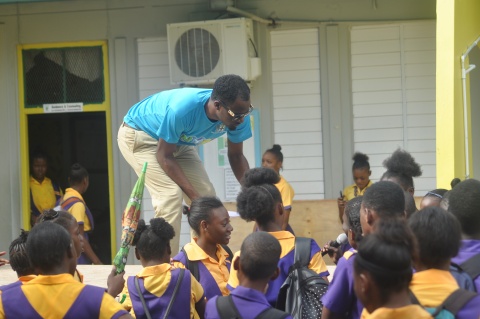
column 249, row 15
column 464, row 94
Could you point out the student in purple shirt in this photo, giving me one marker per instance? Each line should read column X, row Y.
column 340, row 300
column 256, row 266
column 464, row 203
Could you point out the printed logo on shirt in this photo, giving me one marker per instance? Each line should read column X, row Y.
column 192, row 139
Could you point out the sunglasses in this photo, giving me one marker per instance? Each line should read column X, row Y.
column 236, row 117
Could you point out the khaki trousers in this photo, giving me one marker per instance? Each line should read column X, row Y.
column 138, row 147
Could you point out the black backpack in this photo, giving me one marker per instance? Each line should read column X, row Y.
column 302, row 291
column 192, row 265
column 466, row 272
column 227, row 310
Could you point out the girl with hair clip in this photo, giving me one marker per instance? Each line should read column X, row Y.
column 54, row 293
column 401, row 169
column 115, row 281
column 73, row 202
column 383, row 271
column 206, row 256
column 260, row 201
column 361, row 176
column 340, row 300
column 273, row 158
column 159, row 290
column 19, row 261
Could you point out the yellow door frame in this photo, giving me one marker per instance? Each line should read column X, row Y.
column 24, row 112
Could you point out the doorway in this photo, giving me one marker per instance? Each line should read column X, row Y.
column 69, row 138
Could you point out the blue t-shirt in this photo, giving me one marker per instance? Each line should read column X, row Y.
column 178, row 117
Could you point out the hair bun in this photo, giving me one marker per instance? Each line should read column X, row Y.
column 276, row 147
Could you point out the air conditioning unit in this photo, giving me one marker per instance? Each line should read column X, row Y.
column 200, row 52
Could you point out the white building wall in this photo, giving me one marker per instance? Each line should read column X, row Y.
column 297, row 112
column 393, row 95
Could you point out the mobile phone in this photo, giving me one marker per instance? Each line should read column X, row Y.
column 341, row 194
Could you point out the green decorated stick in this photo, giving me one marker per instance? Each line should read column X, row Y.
column 130, row 218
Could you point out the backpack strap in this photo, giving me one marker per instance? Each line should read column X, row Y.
column 140, row 295
column 226, row 308
column 175, row 293
column 272, row 313
column 229, row 251
column 472, row 266
column 191, row 265
column 455, row 302
column 302, row 252
column 413, row 298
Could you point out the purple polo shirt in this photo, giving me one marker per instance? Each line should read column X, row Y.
column 340, row 297
column 249, row 302
column 468, row 249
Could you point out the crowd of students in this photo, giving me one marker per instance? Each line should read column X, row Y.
column 399, row 262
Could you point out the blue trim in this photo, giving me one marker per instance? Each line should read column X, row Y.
column 256, row 141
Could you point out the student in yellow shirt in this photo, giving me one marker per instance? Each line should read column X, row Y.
column 438, row 235
column 44, row 193
column 54, row 293
column 361, row 176
column 260, row 201
column 211, row 223
column 156, row 282
column 382, row 273
column 273, row 158
column 73, row 202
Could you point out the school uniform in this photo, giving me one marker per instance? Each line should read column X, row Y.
column 58, row 296
column 21, row 280
column 43, row 195
column 287, row 243
column 286, row 191
column 157, row 284
column 468, row 249
column 352, row 191
column 340, row 297
column 213, row 274
column 411, row 312
column 249, row 303
column 431, row 287
column 82, row 214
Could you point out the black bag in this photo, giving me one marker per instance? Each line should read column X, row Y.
column 302, row 291
column 227, row 310
column 466, row 272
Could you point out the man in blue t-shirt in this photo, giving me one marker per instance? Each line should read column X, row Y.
column 164, row 129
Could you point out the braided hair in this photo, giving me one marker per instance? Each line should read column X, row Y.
column 18, row 255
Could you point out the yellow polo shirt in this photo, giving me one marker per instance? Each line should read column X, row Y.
column 410, row 312
column 432, row 286
column 43, row 193
column 52, row 297
column 349, row 191
column 78, row 209
column 218, row 269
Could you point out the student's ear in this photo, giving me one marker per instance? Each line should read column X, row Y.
column 203, row 226
column 236, row 263
column 280, row 208
column 276, row 273
column 137, row 255
column 370, row 216
column 71, row 253
column 369, row 172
